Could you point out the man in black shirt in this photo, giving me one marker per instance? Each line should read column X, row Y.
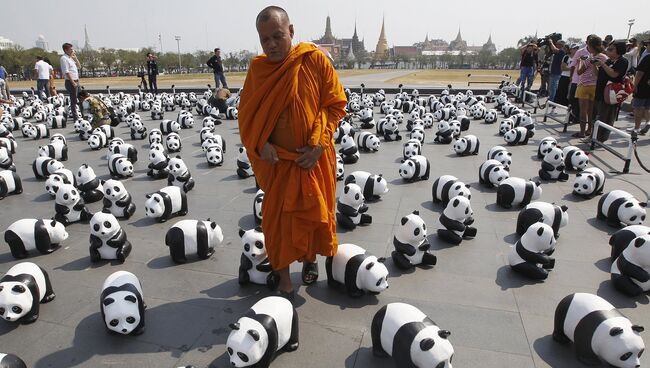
column 641, row 101
column 613, row 70
column 152, row 72
column 528, row 67
column 217, row 66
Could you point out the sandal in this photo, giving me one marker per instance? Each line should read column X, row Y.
column 309, row 272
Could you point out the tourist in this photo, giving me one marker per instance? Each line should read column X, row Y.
column 51, row 84
column 612, row 70
column 95, row 107
column 70, row 70
column 527, row 65
column 152, row 72
column 641, row 100
column 217, row 66
column 587, row 77
column 555, row 73
column 219, row 100
column 4, row 86
column 43, row 71
column 562, row 93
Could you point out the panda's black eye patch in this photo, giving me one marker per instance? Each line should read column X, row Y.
column 96, row 227
column 230, row 351
column 130, row 319
column 65, row 196
column 107, row 224
column 16, row 309
column 117, row 189
column 416, row 231
column 626, row 356
column 243, row 357
column 114, row 322
column 259, row 244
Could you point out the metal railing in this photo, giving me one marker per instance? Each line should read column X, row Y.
column 533, row 101
column 554, row 116
column 627, row 158
column 496, row 79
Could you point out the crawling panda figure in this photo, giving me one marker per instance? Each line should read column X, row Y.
column 502, row 155
column 26, row 235
column 415, row 168
column 179, row 174
column 491, row 116
column 11, row 361
column 158, row 162
column 193, row 237
column 447, row 187
column 531, row 255
column 45, row 166
column 119, row 166
column 155, row 136
column 138, row 130
column 97, row 141
column 550, row 214
column 69, row 206
column 269, row 326
column 491, row 173
column 411, row 244
column 23, row 289
column 10, row 183
column 340, row 168
column 553, row 166
column 351, row 208
column 391, row 131
column 85, row 129
column 254, row 265
column 107, row 239
column 61, row 176
column 575, row 159
column 89, row 184
column 127, row 150
column 367, row 142
column 117, row 200
column 366, row 118
column 412, row 339
column 545, row 146
column 244, row 168
column 599, row 331
column 589, row 183
column 349, row 151
column 444, row 133
column 411, row 148
column 456, row 219
column 37, row 131
column 373, row 186
column 257, row 206
column 505, row 126
column 517, row 136
column 517, row 192
column 214, row 155
column 168, row 126
column 629, row 272
column 57, row 151
column 467, row 145
column 173, row 142
column 356, row 270
column 165, row 203
column 622, row 238
column 122, row 304
column 619, row 209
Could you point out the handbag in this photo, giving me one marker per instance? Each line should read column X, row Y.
column 111, row 114
column 617, row 92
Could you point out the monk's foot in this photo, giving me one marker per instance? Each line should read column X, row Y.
column 287, row 294
column 309, row 272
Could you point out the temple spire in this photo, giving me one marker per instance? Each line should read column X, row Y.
column 382, row 43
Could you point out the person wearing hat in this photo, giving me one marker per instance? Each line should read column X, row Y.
column 557, row 49
column 632, row 54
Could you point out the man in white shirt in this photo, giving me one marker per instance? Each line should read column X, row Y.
column 43, row 70
column 70, row 70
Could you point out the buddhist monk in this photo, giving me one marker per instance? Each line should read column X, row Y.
column 290, row 106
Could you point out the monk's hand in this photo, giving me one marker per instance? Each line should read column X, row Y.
column 309, row 157
column 269, row 153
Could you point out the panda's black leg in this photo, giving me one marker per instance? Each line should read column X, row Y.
column 292, row 344
column 375, row 333
column 365, row 219
column 544, row 175
column 94, row 255
column 85, row 214
column 183, row 210
column 19, row 184
column 531, row 271
column 129, row 211
column 124, row 251
column 49, row 292
column 625, row 285
column 449, row 236
column 344, row 221
column 16, row 245
column 429, row 259
column 331, row 282
column 400, row 260
column 470, row 232
column 242, row 173
column 31, row 318
column 563, row 176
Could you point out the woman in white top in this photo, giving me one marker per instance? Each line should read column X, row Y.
column 562, row 94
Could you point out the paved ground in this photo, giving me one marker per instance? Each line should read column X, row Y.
column 497, row 318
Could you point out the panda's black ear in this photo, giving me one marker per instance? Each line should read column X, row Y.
column 537, row 183
column 147, row 196
column 18, row 289
column 254, row 334
column 370, row 265
column 106, row 210
column 380, row 175
column 157, row 199
column 404, row 220
column 381, row 259
column 540, row 231
column 213, row 225
column 427, row 344
column 444, row 333
column 416, row 212
column 346, row 189
column 637, row 328
column 108, row 301
column 178, row 156
column 456, row 202
column 234, row 326
column 401, row 161
column 639, row 242
column 578, row 175
column 615, row 331
column 131, row 298
column 564, row 208
column 467, row 186
column 241, row 232
column 258, row 229
column 643, row 204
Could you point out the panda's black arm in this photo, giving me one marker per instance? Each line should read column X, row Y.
column 547, row 167
column 95, row 242
column 404, row 248
column 245, row 264
column 630, row 269
column 533, row 257
column 124, row 202
column 183, row 178
column 425, row 245
column 59, row 208
column 451, row 224
column 79, row 206
column 117, row 240
column 264, row 266
column 107, row 203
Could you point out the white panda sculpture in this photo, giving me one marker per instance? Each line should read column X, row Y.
column 188, row 238
column 37, row 131
column 619, row 209
column 412, row 339
column 45, row 166
column 415, row 168
column 254, row 265
column 417, row 134
column 165, row 203
column 545, row 145
column 531, row 255
column 107, row 239
column 505, row 126
column 168, row 126
column 117, row 199
column 622, row 238
column 517, row 192
column 269, row 326
column 517, row 136
column 447, row 187
column 411, row 244
column 122, row 304
column 467, row 145
column 138, row 130
column 373, row 186
column 553, row 215
column 119, row 166
column 89, row 184
column 367, row 142
column 257, row 206
column 127, row 150
column 11, row 361
column 179, row 174
column 502, row 155
column 6, row 159
column 27, row 235
column 340, row 168
column 23, row 289
column 575, row 159
column 97, row 140
column 553, row 166
column 69, row 206
column 56, row 150
column 366, row 118
column 629, row 272
column 444, row 133
column 10, row 183
column 356, row 270
column 173, row 142
column 158, row 162
column 155, row 136
column 456, row 219
column 589, row 183
column 599, row 331
column 349, row 150
column 491, row 173
column 244, row 168
column 411, row 148
column 491, row 116
column 61, row 176
column 351, row 208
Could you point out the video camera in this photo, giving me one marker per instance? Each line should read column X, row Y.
column 541, row 42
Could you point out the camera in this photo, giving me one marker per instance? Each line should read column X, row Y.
column 541, row 42
column 593, row 61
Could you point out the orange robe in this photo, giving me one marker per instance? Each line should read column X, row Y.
column 299, row 204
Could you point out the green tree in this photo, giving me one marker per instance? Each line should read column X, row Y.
column 108, row 58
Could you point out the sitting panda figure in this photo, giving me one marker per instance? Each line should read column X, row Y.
column 165, row 203
column 138, row 130
column 575, row 159
column 61, row 176
column 10, row 183
column 412, row 339
column 11, row 361
column 269, row 326
column 629, row 272
column 214, row 155
column 193, row 237
column 502, row 155
column 505, row 126
column 349, row 150
column 531, row 255
column 127, row 150
column 589, row 183
column 517, row 192
column 457, row 218
column 117, row 200
column 169, row 126
column 85, row 129
column 491, row 173
column 173, row 142
column 107, row 239
column 599, row 331
column 179, row 174
column 119, row 166
column 7, row 160
column 411, row 244
column 23, row 289
column 415, row 168
column 623, row 237
column 351, row 208
column 257, row 206
column 122, row 304
column 411, row 148
column 158, row 162
column 45, row 166
column 340, row 168
column 545, row 146
column 254, row 265
column 155, row 136
column 447, row 187
column 367, row 142
column 107, row 130
column 444, row 133
column 97, row 140
column 157, row 112
column 26, row 235
column 619, row 209
column 205, row 133
column 344, row 128
column 244, row 168
column 553, row 166
column 69, row 206
column 548, row 213
column 89, row 184
column 57, row 151
column 417, row 134
column 366, row 118
column 356, row 270
column 391, row 131
column 373, row 186
column 232, row 113
column 467, row 145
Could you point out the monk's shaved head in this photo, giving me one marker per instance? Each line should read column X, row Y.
column 271, row 12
